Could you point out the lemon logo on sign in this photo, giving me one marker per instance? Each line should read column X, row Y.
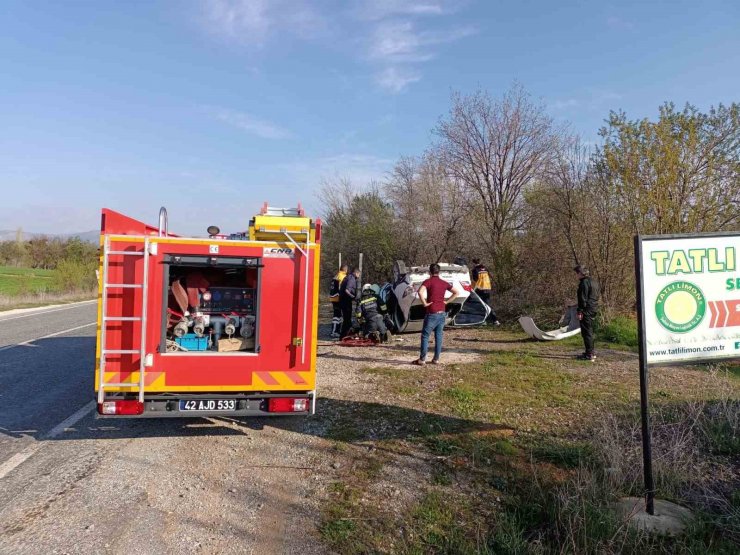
column 680, row 306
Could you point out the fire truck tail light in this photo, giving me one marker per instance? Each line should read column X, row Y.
column 287, row 404
column 121, row 407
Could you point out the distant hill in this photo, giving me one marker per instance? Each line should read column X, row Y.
column 88, row 236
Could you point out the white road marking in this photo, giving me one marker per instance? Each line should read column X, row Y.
column 16, row 460
column 40, row 311
column 71, row 421
column 19, row 458
column 29, row 341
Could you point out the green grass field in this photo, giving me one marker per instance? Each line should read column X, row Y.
column 525, row 450
column 23, row 281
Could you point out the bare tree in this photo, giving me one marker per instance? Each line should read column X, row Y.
column 336, row 194
column 578, row 209
column 403, row 191
column 497, row 148
column 431, row 208
column 562, row 190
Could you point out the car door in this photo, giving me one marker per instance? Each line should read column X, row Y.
column 472, row 313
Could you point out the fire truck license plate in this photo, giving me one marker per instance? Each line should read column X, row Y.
column 208, row 404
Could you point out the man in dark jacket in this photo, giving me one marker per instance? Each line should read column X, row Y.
column 588, row 304
column 347, row 296
column 336, row 282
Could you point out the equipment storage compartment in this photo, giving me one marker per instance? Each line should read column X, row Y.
column 212, row 305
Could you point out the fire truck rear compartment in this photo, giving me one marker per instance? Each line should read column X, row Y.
column 194, row 327
column 211, row 305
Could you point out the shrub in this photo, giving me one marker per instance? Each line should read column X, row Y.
column 621, row 330
column 74, row 275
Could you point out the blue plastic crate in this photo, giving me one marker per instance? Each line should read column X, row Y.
column 192, row 342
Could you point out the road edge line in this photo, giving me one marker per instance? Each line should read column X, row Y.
column 18, row 459
column 29, row 341
column 22, row 456
column 70, row 420
column 15, row 314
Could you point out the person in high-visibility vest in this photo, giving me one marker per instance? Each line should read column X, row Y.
column 482, row 287
column 336, row 320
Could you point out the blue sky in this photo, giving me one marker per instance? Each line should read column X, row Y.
column 211, row 107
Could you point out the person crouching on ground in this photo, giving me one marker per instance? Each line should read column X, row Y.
column 432, row 294
column 588, row 305
column 369, row 313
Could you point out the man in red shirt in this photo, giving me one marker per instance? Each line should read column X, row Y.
column 432, row 294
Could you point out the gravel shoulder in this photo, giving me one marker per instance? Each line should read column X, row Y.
column 205, row 485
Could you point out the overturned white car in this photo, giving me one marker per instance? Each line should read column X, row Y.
column 406, row 309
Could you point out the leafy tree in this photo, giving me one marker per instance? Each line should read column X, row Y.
column 79, row 251
column 678, row 174
column 360, row 223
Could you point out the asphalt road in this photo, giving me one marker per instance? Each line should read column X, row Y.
column 70, row 483
column 46, row 370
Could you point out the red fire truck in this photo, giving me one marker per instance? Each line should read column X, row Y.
column 220, row 325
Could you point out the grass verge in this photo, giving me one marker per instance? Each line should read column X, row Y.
column 527, row 450
column 25, row 281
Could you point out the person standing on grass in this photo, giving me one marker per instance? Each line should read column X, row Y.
column 432, row 294
column 482, row 287
column 588, row 305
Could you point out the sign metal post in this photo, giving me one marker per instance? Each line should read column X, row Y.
column 647, row 452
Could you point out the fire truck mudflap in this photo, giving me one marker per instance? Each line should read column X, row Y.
column 220, row 325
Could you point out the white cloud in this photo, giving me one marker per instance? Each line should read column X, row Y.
column 251, row 124
column 386, row 34
column 253, row 22
column 400, row 45
column 380, row 9
column 590, row 99
column 395, row 78
column 396, row 41
column 359, row 168
column 565, row 104
column 399, row 41
column 243, row 20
